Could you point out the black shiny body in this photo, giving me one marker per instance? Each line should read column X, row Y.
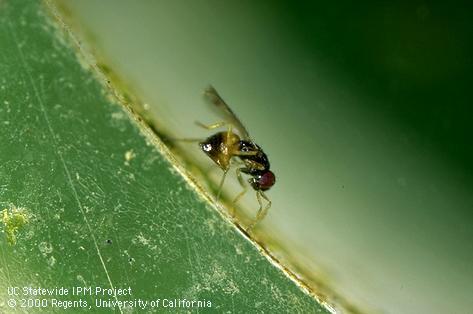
column 259, row 159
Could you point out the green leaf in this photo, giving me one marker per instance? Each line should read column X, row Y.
column 92, row 200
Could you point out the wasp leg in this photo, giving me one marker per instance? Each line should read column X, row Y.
column 262, row 211
column 218, row 125
column 250, row 153
column 251, row 164
column 240, row 195
column 221, row 185
column 211, row 126
column 229, row 132
column 208, row 127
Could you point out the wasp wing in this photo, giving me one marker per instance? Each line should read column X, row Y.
column 224, row 110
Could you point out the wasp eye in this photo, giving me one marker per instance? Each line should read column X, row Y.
column 263, row 181
column 266, row 180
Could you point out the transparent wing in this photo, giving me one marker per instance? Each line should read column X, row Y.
column 223, row 110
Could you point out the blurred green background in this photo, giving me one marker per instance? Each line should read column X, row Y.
column 364, row 110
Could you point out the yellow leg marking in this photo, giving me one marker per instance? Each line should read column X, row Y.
column 250, row 153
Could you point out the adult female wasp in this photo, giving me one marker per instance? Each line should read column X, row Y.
column 223, row 147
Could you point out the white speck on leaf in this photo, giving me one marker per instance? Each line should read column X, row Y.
column 45, row 248
column 129, row 155
column 51, row 261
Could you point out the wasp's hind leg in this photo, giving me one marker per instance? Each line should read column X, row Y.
column 218, row 125
column 262, row 211
column 240, row 195
column 213, row 125
column 205, row 126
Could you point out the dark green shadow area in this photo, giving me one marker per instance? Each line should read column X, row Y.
column 104, row 207
column 413, row 58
